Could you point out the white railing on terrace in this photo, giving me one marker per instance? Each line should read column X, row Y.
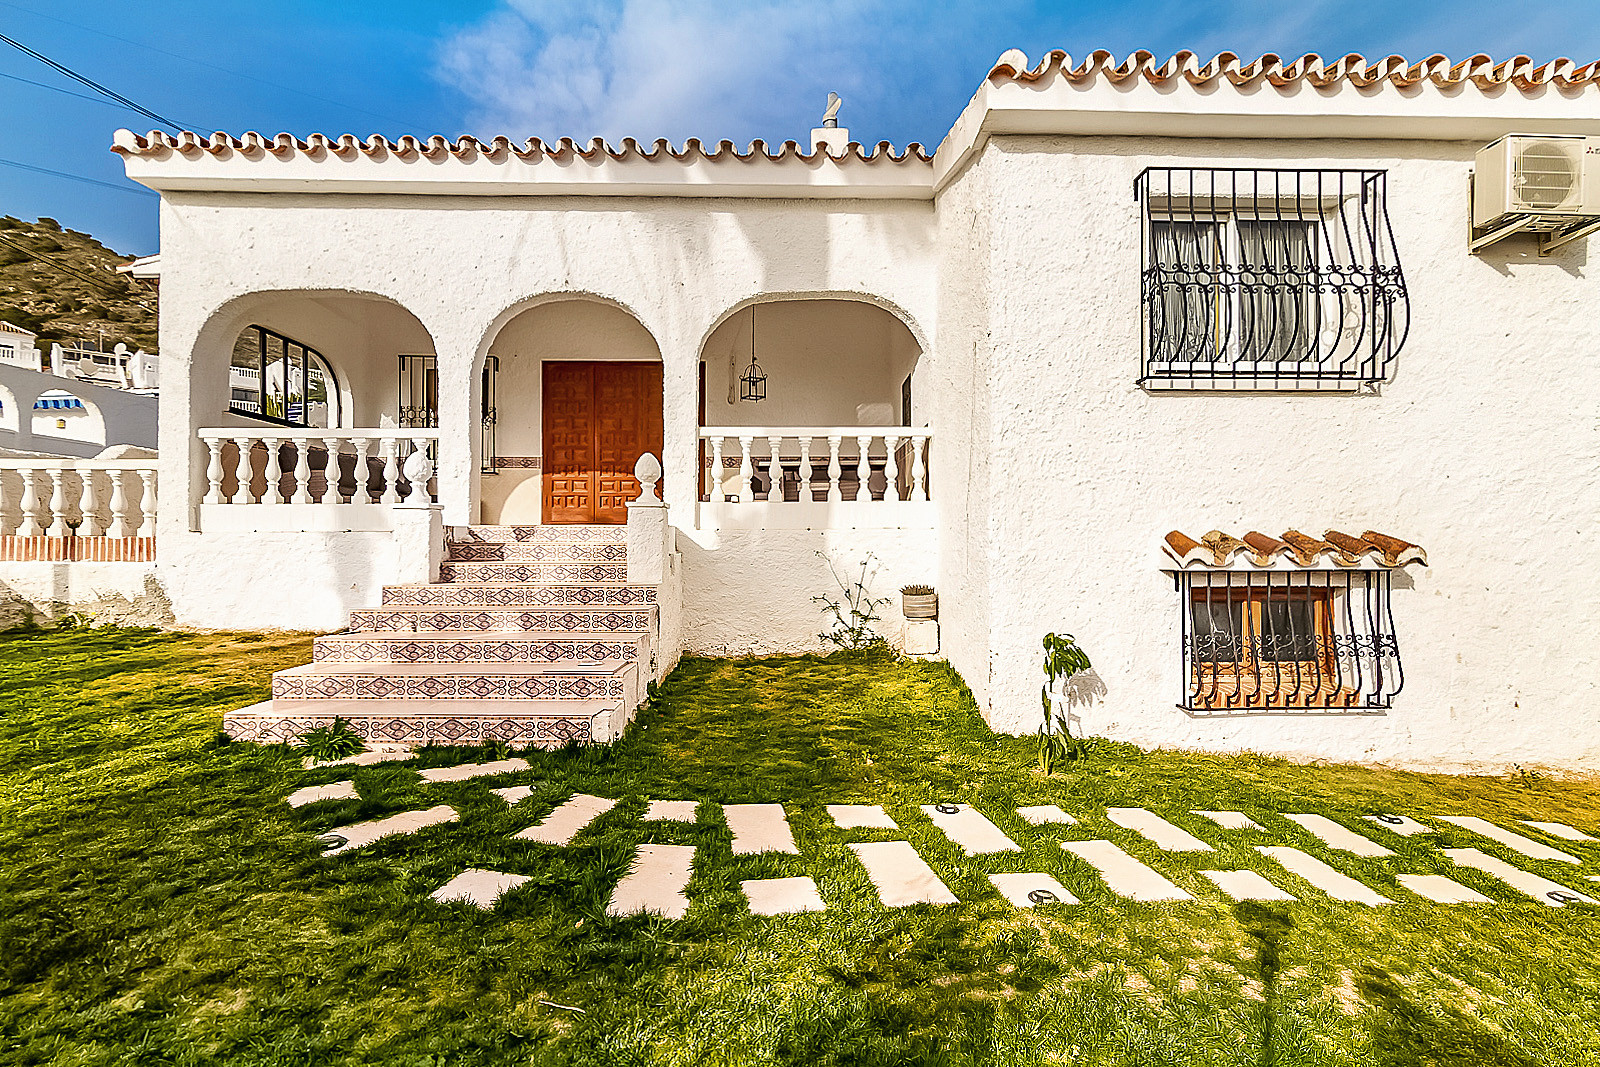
column 815, row 476
column 313, row 479
column 84, row 498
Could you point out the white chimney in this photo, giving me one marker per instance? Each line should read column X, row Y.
column 830, row 134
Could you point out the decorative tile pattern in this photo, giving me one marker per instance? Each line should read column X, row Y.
column 524, row 463
column 543, row 731
column 532, row 571
column 536, row 551
column 353, row 649
column 505, row 534
column 515, row 595
column 616, row 620
column 286, row 686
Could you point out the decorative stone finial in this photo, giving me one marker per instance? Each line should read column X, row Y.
column 648, row 471
column 418, row 468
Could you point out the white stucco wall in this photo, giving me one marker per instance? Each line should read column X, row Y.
column 1482, row 448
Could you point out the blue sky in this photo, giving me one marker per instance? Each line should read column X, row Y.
column 645, row 68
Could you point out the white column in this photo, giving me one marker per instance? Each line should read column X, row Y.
column 274, row 471
column 119, row 504
column 647, row 526
column 362, row 494
column 863, row 469
column 834, row 470
column 214, row 471
column 89, row 526
column 58, row 505
column 716, row 493
column 391, row 470
column 302, row 471
column 919, row 469
column 242, row 473
column 891, row 468
column 805, row 468
column 29, row 504
column 774, row 470
column 147, row 503
column 745, row 470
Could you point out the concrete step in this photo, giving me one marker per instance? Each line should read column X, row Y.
column 537, row 551
column 611, row 680
column 522, row 723
column 569, row 618
column 615, row 535
column 517, row 595
column 480, row 646
column 543, row 571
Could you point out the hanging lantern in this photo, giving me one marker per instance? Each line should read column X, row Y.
column 753, row 384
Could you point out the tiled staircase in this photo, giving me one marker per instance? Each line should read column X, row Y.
column 533, row 636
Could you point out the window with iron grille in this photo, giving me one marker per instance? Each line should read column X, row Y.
column 1268, row 279
column 1304, row 640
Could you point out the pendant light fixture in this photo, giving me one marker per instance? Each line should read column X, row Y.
column 753, row 384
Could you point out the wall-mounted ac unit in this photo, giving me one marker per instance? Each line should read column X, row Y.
column 1546, row 183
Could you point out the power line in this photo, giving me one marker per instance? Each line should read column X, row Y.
column 51, row 261
column 135, row 190
column 59, row 89
column 91, row 83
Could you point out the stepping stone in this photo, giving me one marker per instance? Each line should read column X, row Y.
column 513, row 794
column 759, row 828
column 655, row 882
column 362, row 834
column 1541, row 889
column 311, row 794
column 899, row 874
column 1229, row 820
column 1043, row 814
column 474, row 886
column 563, row 824
column 1336, row 885
column 781, row 896
column 1125, row 876
column 1559, row 829
column 968, row 827
column 363, row 759
column 1246, row 885
column 671, row 811
column 1516, row 842
column 860, row 817
column 1441, row 890
column 472, row 770
column 1031, row 890
column 1334, row 835
column 1400, row 824
column 1157, row 830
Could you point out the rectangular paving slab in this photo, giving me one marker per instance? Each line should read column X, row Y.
column 671, row 811
column 899, row 874
column 655, row 882
column 479, row 887
column 1334, row 835
column 1031, row 890
column 1246, row 885
column 1516, row 842
column 1559, row 829
column 1403, row 825
column 860, row 817
column 1440, row 890
column 1229, row 820
column 968, row 827
column 1541, row 889
column 563, row 824
column 781, row 896
column 1157, row 830
column 464, row 771
column 360, row 759
column 513, row 794
column 362, row 834
column 311, row 794
column 1123, row 874
column 1044, row 814
column 1336, row 884
column 759, row 828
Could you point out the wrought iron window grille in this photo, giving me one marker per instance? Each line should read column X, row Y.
column 419, row 402
column 281, row 381
column 1268, row 279
column 1284, row 641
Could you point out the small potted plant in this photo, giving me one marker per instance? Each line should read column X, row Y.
column 919, row 601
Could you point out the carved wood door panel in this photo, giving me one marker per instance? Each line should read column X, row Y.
column 599, row 418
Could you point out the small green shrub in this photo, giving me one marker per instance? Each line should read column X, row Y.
column 853, row 612
column 917, row 589
column 1062, row 659
column 333, row 741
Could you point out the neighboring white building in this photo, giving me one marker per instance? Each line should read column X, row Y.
column 1123, row 304
column 86, row 401
column 17, row 347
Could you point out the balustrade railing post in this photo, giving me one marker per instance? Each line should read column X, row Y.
column 242, row 473
column 835, row 471
column 891, row 467
column 214, row 471
column 774, row 470
column 302, row 471
column 274, row 474
column 391, row 470
column 29, row 504
column 805, row 473
column 746, row 472
column 717, row 492
column 88, row 522
column 330, row 472
column 147, row 502
column 5, row 502
column 919, row 469
column 58, row 505
column 119, row 504
column 363, row 492
column 863, row 469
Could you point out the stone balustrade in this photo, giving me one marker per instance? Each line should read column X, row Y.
column 54, row 508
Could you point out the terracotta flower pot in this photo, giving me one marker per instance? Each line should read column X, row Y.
column 919, row 605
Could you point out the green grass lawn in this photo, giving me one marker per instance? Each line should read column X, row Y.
column 159, row 903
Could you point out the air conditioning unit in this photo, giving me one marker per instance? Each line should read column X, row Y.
column 1547, row 182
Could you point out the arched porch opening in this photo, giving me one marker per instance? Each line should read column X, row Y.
column 572, row 396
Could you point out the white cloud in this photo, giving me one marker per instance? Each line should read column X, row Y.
column 657, row 68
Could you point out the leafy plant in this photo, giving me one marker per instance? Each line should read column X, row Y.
column 853, row 612
column 917, row 589
column 75, row 620
column 1062, row 659
column 334, row 741
column 494, row 749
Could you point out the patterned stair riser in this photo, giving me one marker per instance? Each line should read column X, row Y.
column 350, row 648
column 501, row 535
column 517, row 595
column 524, row 731
column 310, row 686
column 537, row 552
column 554, row 620
column 532, row 571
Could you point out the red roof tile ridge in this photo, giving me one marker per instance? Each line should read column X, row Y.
column 1218, row 549
column 1518, row 72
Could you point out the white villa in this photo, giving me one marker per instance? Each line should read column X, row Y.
column 1275, row 383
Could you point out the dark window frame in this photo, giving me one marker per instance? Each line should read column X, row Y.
column 307, row 355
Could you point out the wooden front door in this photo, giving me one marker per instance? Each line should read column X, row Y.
column 599, row 418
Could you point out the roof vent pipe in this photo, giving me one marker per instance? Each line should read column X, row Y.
column 830, row 135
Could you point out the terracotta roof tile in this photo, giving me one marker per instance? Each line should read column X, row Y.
column 1217, row 549
column 1519, row 72
column 348, row 146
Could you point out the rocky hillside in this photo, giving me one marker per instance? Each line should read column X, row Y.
column 75, row 303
